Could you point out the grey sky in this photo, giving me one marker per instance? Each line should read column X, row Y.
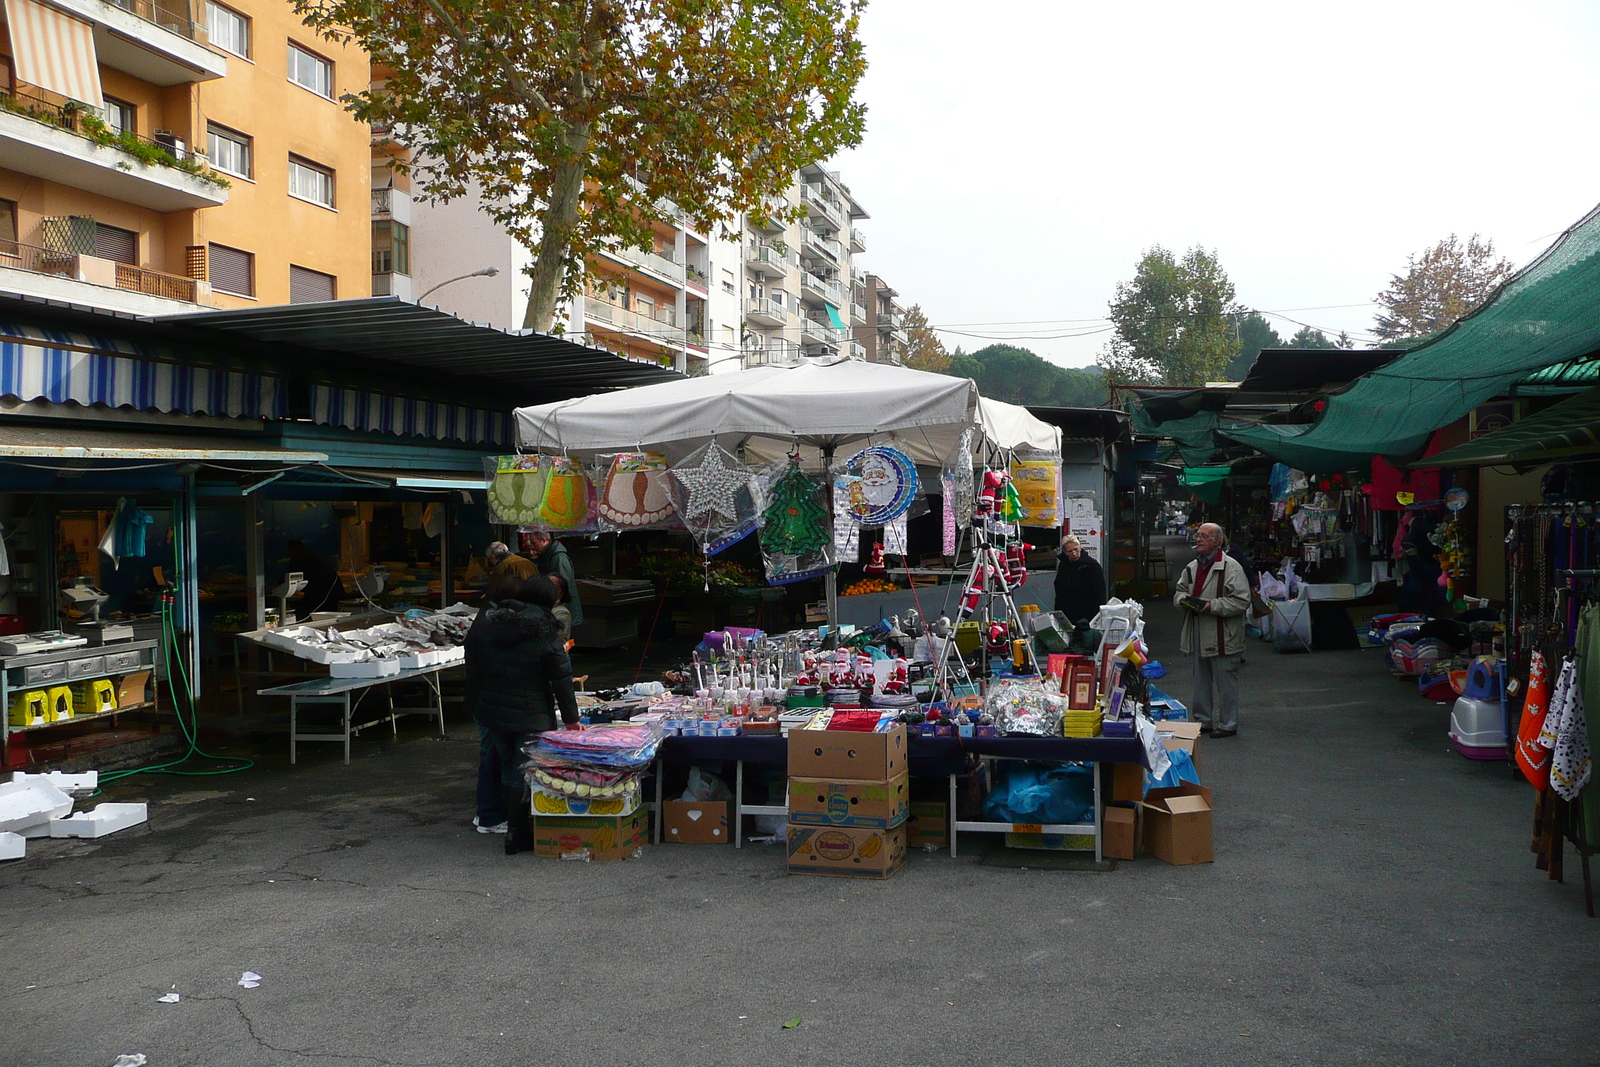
column 1021, row 155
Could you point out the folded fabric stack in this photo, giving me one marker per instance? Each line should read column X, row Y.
column 631, row 744
column 597, row 764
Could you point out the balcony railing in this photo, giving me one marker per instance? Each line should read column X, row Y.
column 653, row 261
column 661, row 328
column 696, row 276
column 174, row 15
column 819, row 201
column 858, row 241
column 887, row 321
column 382, row 201
column 827, row 246
column 812, row 330
column 156, row 283
column 37, row 260
column 762, row 254
column 858, row 313
column 768, row 307
column 854, row 349
column 52, row 109
column 830, row 292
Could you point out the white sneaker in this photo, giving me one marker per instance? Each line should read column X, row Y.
column 498, row 828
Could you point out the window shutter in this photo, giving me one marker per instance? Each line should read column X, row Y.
column 308, row 286
column 116, row 244
column 232, row 271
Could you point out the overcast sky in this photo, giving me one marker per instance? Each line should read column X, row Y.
column 1020, row 156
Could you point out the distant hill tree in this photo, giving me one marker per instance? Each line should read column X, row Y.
column 1309, row 337
column 1440, row 285
column 1172, row 321
column 924, row 350
column 1019, row 376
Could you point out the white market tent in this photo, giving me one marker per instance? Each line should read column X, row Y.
column 825, row 408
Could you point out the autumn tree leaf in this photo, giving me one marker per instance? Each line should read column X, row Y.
column 924, row 350
column 1440, row 285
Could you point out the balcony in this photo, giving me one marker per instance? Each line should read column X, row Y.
column 858, row 315
column 661, row 329
column 75, row 278
column 696, row 276
column 858, row 241
column 775, row 210
column 652, row 263
column 815, row 288
column 767, row 311
column 389, row 283
column 769, row 260
column 55, row 140
column 813, row 332
column 825, row 249
column 889, row 321
column 157, row 41
column 854, row 350
column 820, row 203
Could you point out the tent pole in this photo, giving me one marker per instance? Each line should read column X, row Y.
column 831, row 581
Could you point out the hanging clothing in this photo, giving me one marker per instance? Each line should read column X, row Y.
column 131, row 537
column 1533, row 758
column 1566, row 735
column 1587, row 651
column 433, row 520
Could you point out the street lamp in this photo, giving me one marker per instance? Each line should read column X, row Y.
column 486, row 272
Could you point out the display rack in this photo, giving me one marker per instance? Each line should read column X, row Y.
column 45, row 670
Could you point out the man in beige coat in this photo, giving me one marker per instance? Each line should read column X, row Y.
column 1214, row 593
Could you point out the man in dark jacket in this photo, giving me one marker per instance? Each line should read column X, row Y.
column 1080, row 582
column 551, row 557
column 518, row 679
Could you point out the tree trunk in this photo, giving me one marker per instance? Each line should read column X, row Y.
column 555, row 242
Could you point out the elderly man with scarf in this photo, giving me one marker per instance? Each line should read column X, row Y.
column 1214, row 592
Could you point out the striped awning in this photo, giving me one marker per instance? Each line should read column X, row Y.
column 62, row 368
column 53, row 50
column 356, row 409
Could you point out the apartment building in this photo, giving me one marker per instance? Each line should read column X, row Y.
column 797, row 271
column 161, row 154
column 877, row 319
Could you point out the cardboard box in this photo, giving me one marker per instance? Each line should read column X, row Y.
column 696, row 822
column 131, row 689
column 846, row 853
column 847, row 754
column 1119, row 832
column 863, row 805
column 1177, row 823
column 1051, row 842
column 1184, row 735
column 606, row 837
column 928, row 824
column 546, row 802
column 1127, row 782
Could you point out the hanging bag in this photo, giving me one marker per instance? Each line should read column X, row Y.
column 1532, row 757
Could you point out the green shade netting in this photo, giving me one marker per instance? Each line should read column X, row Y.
column 1206, row 482
column 1547, row 313
column 1195, row 436
column 833, row 316
column 1570, row 426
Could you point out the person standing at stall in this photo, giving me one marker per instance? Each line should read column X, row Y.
column 1080, row 582
column 505, row 563
column 519, row 684
column 551, row 557
column 1215, row 595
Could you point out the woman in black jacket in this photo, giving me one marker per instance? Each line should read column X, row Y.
column 1080, row 582
column 518, row 677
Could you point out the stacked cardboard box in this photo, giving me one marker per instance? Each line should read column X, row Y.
column 849, row 797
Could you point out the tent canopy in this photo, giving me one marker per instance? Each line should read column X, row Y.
column 1569, row 428
column 1546, row 314
column 768, row 411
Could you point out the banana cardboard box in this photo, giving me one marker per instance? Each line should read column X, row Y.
column 858, row 805
column 606, row 837
column 845, row 852
column 547, row 802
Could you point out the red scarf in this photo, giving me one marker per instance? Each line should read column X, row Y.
column 1202, row 571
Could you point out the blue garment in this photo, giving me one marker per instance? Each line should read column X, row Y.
column 1278, row 481
column 131, row 522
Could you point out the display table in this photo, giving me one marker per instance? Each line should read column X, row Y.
column 926, row 757
column 337, row 691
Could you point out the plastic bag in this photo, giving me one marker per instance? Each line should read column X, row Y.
column 1182, row 770
column 1041, row 794
column 705, row 787
column 796, row 530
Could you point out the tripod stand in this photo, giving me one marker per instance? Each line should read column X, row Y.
column 986, row 582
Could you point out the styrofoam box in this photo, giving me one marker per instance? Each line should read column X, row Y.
column 327, row 655
column 285, row 637
column 87, row 782
column 31, row 802
column 12, row 846
column 374, row 668
column 104, row 819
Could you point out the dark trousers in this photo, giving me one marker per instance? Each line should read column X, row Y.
column 491, row 809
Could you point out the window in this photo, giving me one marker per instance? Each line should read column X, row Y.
column 8, row 221
column 391, row 247
column 121, row 115
column 306, row 286
column 727, row 281
column 116, row 244
column 229, row 150
column 228, row 30
column 311, row 71
column 232, row 271
column 310, row 182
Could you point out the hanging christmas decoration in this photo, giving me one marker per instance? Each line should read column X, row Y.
column 796, row 541
column 1037, row 480
column 717, row 497
column 636, row 493
column 885, row 487
column 846, row 531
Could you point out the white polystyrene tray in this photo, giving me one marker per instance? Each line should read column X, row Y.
column 30, row 802
column 12, row 846
column 104, row 819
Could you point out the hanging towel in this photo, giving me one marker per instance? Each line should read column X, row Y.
column 433, row 520
column 411, row 516
column 112, row 539
column 1531, row 757
column 1566, row 734
column 131, row 531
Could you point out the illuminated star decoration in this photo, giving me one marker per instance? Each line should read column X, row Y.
column 713, row 486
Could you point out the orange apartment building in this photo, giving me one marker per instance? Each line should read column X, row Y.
column 159, row 154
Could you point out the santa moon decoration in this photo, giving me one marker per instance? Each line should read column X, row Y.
column 885, row 485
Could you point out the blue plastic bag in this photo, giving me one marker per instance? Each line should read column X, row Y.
column 1041, row 794
column 1182, row 770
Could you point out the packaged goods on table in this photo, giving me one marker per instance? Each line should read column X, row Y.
column 586, row 790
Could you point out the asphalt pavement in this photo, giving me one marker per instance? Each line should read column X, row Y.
column 1373, row 901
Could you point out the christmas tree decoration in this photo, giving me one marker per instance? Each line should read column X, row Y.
column 885, row 487
column 717, row 497
column 796, row 539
